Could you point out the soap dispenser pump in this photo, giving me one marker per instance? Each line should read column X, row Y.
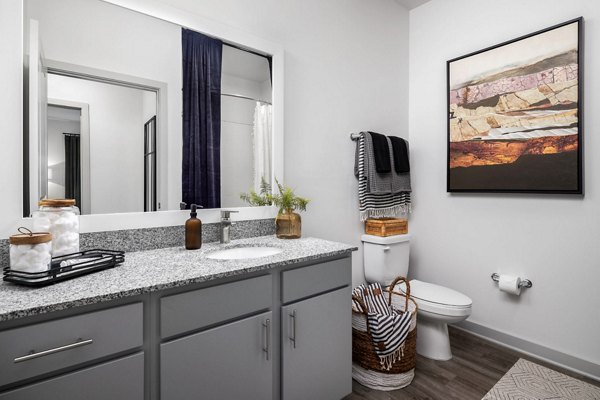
column 193, row 230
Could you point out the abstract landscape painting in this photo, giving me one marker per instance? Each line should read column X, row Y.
column 514, row 115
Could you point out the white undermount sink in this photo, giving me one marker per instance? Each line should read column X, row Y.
column 243, row 253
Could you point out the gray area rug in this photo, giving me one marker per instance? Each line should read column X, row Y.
column 530, row 381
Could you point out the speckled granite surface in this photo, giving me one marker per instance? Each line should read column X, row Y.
column 4, row 255
column 158, row 238
column 151, row 270
column 170, row 236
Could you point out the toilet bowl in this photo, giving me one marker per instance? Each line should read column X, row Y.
column 438, row 306
column 385, row 258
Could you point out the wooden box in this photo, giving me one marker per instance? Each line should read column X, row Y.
column 386, row 226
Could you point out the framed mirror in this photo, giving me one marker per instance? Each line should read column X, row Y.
column 103, row 122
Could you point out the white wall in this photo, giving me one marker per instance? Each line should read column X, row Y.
column 266, row 90
column 459, row 240
column 116, row 141
column 148, row 105
column 125, row 42
column 345, row 71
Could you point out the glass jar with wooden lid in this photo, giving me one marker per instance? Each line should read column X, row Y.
column 30, row 252
column 60, row 217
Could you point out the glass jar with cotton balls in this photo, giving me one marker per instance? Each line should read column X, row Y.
column 60, row 217
column 30, row 252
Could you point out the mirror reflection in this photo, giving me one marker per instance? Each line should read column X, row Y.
column 85, row 120
column 109, row 121
column 246, row 124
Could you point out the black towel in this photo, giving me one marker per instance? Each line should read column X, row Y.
column 401, row 163
column 381, row 151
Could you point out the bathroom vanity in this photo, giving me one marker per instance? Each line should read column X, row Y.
column 168, row 323
column 175, row 324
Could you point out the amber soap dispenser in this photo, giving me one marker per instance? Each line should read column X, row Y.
column 193, row 231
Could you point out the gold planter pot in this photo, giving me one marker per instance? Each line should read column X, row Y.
column 288, row 226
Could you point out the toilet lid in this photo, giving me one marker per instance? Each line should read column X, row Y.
column 436, row 294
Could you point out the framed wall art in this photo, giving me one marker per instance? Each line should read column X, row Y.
column 514, row 115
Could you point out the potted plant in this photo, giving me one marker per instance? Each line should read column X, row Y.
column 288, row 224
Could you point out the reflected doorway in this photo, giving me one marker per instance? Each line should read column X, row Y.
column 68, row 152
column 102, row 147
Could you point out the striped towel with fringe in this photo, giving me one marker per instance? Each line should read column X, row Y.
column 376, row 205
column 389, row 327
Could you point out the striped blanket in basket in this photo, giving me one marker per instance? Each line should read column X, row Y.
column 389, row 327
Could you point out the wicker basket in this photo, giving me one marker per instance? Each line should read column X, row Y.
column 366, row 367
column 386, row 226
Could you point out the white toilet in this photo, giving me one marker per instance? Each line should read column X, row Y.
column 385, row 258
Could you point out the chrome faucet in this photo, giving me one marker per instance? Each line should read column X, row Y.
column 226, row 225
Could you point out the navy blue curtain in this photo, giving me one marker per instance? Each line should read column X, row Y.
column 201, row 174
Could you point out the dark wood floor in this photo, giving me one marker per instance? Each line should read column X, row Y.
column 476, row 366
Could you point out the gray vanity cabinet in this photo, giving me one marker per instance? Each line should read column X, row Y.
column 279, row 334
column 223, row 342
column 316, row 347
column 232, row 361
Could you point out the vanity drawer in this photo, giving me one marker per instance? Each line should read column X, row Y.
column 50, row 346
column 184, row 312
column 308, row 281
column 119, row 379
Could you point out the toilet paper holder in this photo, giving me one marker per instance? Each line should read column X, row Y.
column 525, row 283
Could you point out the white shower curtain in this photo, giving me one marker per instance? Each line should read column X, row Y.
column 262, row 139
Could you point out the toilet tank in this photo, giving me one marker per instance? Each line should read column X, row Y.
column 385, row 258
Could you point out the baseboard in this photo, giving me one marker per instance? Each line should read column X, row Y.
column 560, row 359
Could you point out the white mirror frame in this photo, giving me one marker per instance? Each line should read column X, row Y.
column 109, row 222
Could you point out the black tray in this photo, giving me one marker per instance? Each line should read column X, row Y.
column 81, row 263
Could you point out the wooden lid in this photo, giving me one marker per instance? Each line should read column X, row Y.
column 57, row 202
column 28, row 237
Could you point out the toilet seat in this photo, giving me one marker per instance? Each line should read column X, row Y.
column 438, row 299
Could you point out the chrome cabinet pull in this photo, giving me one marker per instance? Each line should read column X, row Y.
column 32, row 355
column 293, row 338
column 267, row 349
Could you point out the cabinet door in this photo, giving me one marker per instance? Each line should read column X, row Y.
column 233, row 361
column 120, row 379
column 317, row 347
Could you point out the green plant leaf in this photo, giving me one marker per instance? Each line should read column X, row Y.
column 263, row 198
column 287, row 201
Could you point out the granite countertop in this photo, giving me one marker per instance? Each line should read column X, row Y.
column 152, row 270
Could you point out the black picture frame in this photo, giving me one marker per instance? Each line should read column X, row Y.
column 530, row 172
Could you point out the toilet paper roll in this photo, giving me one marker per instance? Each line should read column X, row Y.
column 510, row 284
